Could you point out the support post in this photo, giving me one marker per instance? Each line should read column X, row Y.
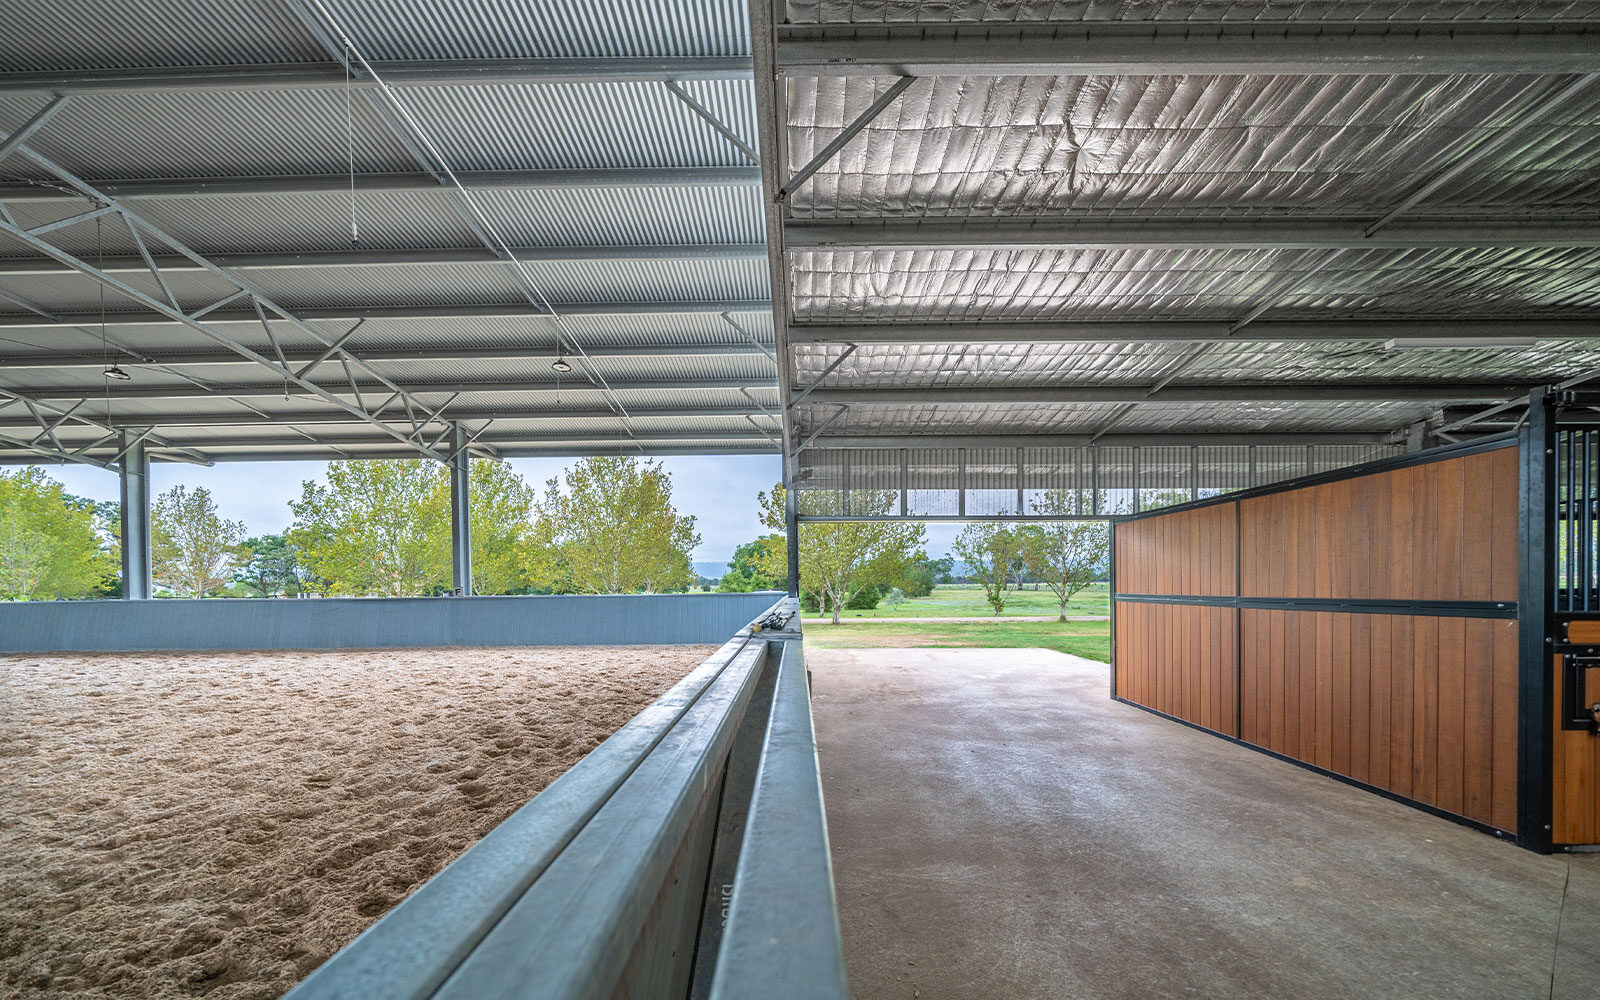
column 791, row 529
column 460, row 512
column 1535, row 690
column 134, row 471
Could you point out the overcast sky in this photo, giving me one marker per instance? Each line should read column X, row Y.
column 719, row 490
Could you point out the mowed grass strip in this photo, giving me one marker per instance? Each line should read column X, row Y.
column 958, row 601
column 1091, row 640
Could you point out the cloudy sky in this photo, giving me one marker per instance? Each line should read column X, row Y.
column 719, row 490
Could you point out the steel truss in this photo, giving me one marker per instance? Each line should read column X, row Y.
column 423, row 429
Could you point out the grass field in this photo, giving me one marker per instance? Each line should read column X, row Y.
column 948, row 601
column 1087, row 639
column 878, row 628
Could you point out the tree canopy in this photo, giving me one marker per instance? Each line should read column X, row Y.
column 747, row 569
column 501, row 516
column 374, row 528
column 1067, row 555
column 840, row 559
column 272, row 568
column 194, row 549
column 608, row 526
column 49, row 547
column 989, row 550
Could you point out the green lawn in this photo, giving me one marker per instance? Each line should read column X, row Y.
column 948, row 601
column 1086, row 639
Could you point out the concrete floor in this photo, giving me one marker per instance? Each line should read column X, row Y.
column 1000, row 828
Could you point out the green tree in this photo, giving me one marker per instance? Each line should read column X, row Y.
column 989, row 550
column 1067, row 555
column 375, row 528
column 745, row 570
column 1152, row 499
column 612, row 529
column 919, row 579
column 501, row 514
column 273, row 568
column 838, row 560
column 48, row 544
column 108, row 529
column 194, row 549
column 24, row 558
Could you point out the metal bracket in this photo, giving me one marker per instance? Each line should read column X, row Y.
column 1578, row 712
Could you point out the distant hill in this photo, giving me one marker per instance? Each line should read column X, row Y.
column 711, row 570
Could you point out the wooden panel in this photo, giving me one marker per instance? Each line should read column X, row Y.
column 1422, row 706
column 1442, row 531
column 1178, row 659
column 1583, row 631
column 1429, row 710
column 1577, row 774
column 1185, row 553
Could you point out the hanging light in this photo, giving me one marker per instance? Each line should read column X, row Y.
column 560, row 363
column 116, row 372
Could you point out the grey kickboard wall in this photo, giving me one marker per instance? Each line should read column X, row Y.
column 365, row 623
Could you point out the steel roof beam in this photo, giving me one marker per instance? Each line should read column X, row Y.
column 421, row 353
column 398, row 73
column 514, row 310
column 1184, row 331
column 756, row 446
column 186, row 390
column 1210, row 392
column 239, row 443
column 1155, row 48
column 334, row 418
column 314, row 184
column 1197, row 234
column 1030, row 440
column 443, row 256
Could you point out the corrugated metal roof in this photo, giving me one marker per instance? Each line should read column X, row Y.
column 492, row 29
column 1169, row 148
column 114, row 34
column 1218, row 284
column 972, row 11
column 1046, row 144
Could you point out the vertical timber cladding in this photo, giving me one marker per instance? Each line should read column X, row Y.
column 1179, row 658
column 1576, row 812
column 1375, row 617
column 1421, row 705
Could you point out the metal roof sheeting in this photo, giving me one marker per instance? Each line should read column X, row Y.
column 1155, row 145
column 980, row 11
column 624, row 153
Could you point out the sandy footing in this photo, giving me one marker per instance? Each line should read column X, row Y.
column 219, row 824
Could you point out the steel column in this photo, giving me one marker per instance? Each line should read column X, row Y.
column 134, row 472
column 460, row 511
column 1535, row 692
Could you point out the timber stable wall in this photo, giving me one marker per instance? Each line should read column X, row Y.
column 1363, row 623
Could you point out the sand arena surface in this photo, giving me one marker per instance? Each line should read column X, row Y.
column 219, row 824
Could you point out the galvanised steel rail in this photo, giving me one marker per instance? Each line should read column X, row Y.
column 685, row 857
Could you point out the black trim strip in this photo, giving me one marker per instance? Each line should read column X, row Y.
column 1363, row 606
column 1336, row 776
column 1507, row 440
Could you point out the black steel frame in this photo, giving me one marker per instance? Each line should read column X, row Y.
column 1535, row 695
column 1363, row 606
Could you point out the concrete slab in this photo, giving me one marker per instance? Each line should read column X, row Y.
column 1000, row 828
